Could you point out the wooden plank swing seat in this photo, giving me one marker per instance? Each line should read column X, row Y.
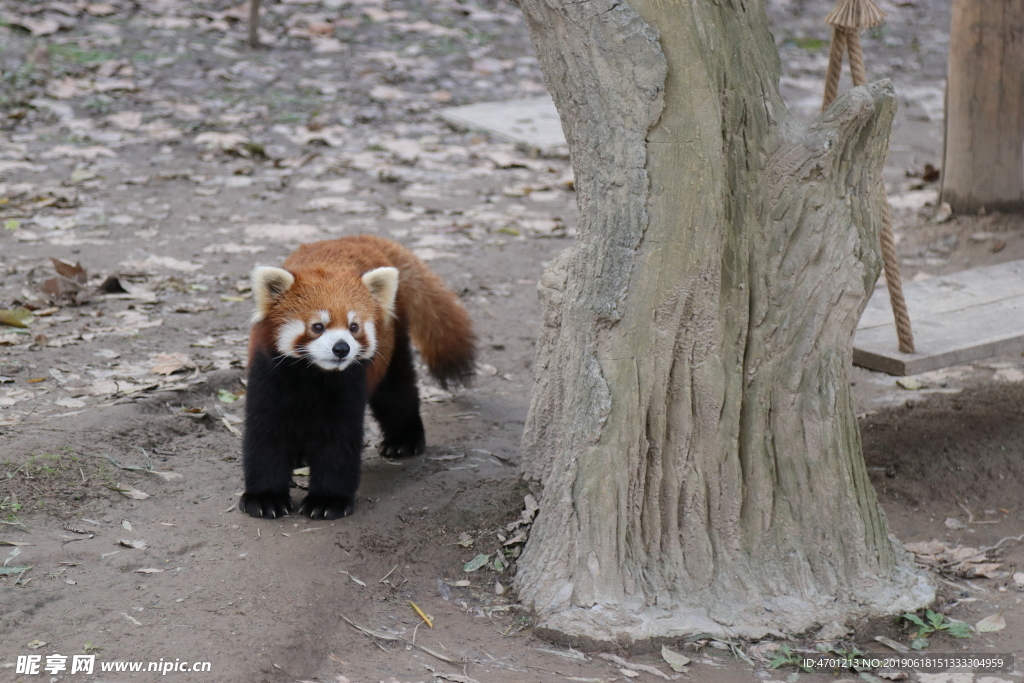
column 958, row 318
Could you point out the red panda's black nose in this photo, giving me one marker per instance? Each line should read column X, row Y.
column 341, row 349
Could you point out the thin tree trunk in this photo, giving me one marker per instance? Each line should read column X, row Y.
column 983, row 166
column 691, row 428
column 254, row 23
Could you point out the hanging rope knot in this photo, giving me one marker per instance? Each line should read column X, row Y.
column 855, row 14
column 847, row 20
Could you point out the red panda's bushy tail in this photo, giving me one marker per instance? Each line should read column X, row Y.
column 438, row 324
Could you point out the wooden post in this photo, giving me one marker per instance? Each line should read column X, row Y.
column 983, row 168
column 254, row 23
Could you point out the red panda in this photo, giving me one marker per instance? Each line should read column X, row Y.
column 330, row 334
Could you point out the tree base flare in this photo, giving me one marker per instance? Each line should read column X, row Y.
column 601, row 626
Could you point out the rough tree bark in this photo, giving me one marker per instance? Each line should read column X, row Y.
column 691, row 427
column 983, row 165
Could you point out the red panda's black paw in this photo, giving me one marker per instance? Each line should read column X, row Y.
column 269, row 505
column 398, row 448
column 327, row 507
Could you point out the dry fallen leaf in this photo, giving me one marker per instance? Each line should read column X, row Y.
column 985, row 570
column 161, row 131
column 170, row 263
column 963, row 561
column 128, row 120
column 234, row 143
column 100, row 9
column 72, row 152
column 954, row 523
column 229, row 421
column 16, row 317
column 137, row 544
column 354, row 579
column 675, row 660
column 169, row 363
column 991, row 623
column 477, row 562
column 422, row 614
column 926, row 548
column 37, row 27
column 386, row 93
column 910, row 383
column 518, row 538
column 130, row 492
column 71, row 271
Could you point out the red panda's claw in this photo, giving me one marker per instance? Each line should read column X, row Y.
column 327, row 507
column 405, row 448
column 267, row 505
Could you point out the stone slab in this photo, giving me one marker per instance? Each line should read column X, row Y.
column 956, row 319
column 532, row 122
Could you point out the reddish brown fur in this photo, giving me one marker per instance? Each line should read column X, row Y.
column 328, row 277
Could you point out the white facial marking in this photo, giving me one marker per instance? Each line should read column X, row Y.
column 351, row 317
column 370, row 330
column 321, row 350
column 324, row 317
column 287, row 335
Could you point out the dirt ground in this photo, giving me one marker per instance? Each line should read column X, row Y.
column 147, row 142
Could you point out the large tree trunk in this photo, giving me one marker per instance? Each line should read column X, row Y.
column 983, row 168
column 692, row 428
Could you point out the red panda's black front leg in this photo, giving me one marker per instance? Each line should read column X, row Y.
column 334, row 473
column 334, row 407
column 269, row 449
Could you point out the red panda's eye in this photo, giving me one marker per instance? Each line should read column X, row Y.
column 318, row 327
column 353, row 328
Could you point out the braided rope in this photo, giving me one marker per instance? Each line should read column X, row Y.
column 835, row 66
column 895, row 282
column 857, row 71
column 847, row 19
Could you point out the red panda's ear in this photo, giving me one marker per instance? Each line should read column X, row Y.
column 268, row 286
column 383, row 286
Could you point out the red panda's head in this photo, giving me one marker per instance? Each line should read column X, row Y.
column 326, row 318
